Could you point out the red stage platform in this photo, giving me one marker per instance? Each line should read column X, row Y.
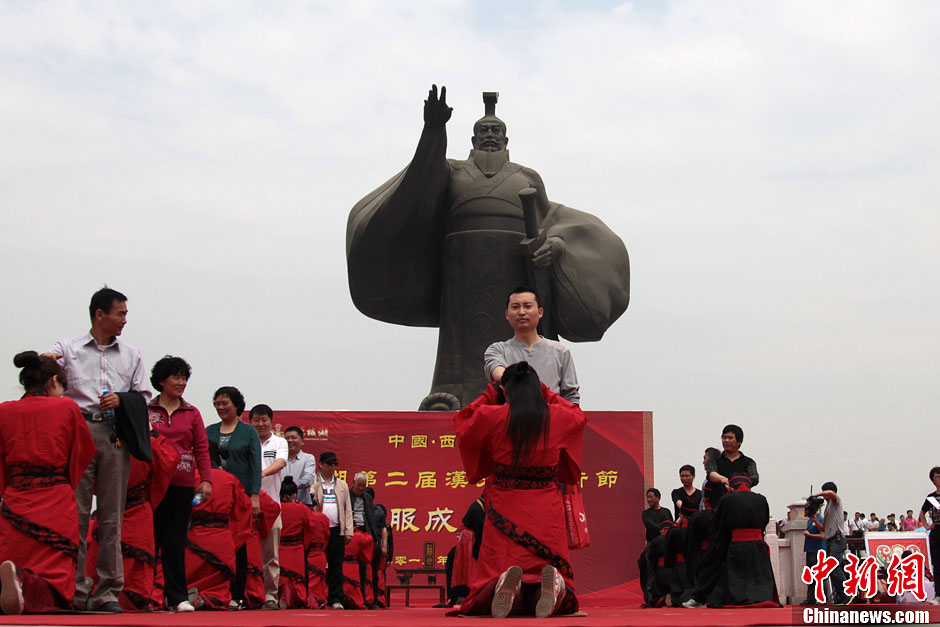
column 413, row 617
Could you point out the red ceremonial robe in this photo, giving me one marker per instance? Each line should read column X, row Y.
column 261, row 527
column 45, row 446
column 317, row 590
column 297, row 534
column 356, row 560
column 146, row 486
column 525, row 517
column 217, row 528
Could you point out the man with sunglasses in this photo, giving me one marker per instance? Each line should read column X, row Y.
column 333, row 495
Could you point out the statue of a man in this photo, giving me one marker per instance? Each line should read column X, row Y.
column 443, row 242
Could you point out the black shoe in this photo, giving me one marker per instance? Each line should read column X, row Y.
column 111, row 607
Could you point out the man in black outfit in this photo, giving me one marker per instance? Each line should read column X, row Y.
column 688, row 494
column 731, row 461
column 652, row 519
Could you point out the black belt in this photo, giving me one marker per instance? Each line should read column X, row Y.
column 99, row 417
column 361, row 528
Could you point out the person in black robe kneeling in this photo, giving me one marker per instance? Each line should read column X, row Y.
column 745, row 577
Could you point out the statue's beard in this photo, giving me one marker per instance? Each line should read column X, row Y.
column 489, row 162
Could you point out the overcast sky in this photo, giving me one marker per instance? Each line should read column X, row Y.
column 771, row 167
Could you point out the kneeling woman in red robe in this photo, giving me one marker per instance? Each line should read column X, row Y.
column 526, row 447
column 217, row 529
column 45, row 446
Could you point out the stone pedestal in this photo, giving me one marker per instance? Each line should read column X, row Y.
column 790, row 584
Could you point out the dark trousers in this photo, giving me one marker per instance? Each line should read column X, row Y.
column 933, row 541
column 811, row 558
column 641, row 564
column 335, row 549
column 170, row 526
column 835, row 547
column 241, row 573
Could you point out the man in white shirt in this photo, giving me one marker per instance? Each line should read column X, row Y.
column 301, row 466
column 332, row 494
column 273, row 460
column 94, row 363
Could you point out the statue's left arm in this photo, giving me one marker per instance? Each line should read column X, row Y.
column 590, row 271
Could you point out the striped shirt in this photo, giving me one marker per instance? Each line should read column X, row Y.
column 91, row 369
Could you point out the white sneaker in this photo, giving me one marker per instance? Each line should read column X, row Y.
column 11, row 594
column 338, row 606
column 692, row 604
column 185, row 606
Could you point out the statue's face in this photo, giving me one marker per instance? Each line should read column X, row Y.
column 489, row 136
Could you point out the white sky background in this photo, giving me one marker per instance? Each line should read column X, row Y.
column 771, row 167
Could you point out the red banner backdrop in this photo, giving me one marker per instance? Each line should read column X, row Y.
column 413, row 464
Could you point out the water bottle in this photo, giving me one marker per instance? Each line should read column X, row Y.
column 197, row 499
column 108, row 413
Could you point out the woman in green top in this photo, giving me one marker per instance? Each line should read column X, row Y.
column 244, row 461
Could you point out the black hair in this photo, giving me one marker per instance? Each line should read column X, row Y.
column 934, row 471
column 104, row 300
column 813, row 504
column 37, row 370
column 295, row 429
column 711, row 451
column 689, row 467
column 519, row 289
column 655, row 492
column 215, row 454
column 829, row 485
column 166, row 367
column 234, row 395
column 262, row 410
column 529, row 418
column 736, row 430
column 288, row 488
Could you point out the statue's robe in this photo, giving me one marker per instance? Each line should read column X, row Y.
column 437, row 245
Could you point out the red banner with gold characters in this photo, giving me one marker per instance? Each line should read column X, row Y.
column 412, row 462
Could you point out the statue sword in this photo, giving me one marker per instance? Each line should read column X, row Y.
column 537, row 277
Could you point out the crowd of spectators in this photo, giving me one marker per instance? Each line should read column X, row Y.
column 231, row 516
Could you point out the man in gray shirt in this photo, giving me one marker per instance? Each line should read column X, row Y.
column 550, row 359
column 835, row 540
column 301, row 466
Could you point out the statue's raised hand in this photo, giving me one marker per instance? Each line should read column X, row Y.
column 436, row 111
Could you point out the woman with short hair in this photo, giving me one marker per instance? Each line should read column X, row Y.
column 243, row 460
column 181, row 424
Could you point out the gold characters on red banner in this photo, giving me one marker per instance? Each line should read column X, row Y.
column 438, row 520
column 420, row 440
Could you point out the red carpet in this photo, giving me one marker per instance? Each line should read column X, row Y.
column 415, row 617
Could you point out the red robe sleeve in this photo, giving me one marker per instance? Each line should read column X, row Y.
column 165, row 460
column 82, row 449
column 473, row 425
column 569, row 418
column 3, row 467
column 270, row 510
column 239, row 517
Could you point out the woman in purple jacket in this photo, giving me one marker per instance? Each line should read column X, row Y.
column 181, row 424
